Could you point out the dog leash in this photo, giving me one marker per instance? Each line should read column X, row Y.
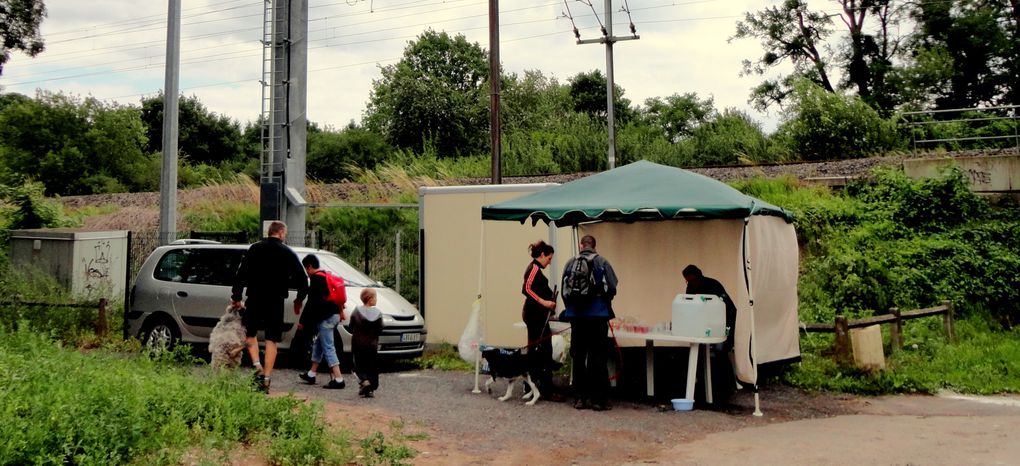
column 547, row 337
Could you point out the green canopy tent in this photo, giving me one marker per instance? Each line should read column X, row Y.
column 652, row 220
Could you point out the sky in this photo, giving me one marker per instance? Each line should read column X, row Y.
column 115, row 50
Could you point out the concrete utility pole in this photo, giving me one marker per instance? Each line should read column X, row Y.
column 495, row 130
column 608, row 38
column 284, row 118
column 168, row 173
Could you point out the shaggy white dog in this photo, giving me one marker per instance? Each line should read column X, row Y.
column 226, row 343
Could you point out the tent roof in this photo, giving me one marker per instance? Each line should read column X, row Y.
column 638, row 191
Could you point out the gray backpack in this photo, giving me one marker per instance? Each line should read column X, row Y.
column 579, row 284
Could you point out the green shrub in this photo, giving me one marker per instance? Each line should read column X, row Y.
column 28, row 284
column 899, row 242
column 25, row 206
column 640, row 141
column 729, row 139
column 822, row 125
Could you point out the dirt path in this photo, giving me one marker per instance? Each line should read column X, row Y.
column 886, row 430
column 798, row 428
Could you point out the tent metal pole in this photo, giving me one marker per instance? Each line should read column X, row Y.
column 478, row 302
column 750, row 297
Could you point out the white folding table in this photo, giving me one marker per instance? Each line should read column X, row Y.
column 694, row 343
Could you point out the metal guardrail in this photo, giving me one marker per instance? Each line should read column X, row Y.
column 1001, row 113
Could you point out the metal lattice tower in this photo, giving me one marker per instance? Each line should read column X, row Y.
column 284, row 78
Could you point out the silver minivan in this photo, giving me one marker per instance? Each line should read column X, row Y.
column 182, row 290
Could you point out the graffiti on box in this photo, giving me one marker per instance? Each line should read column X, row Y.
column 97, row 266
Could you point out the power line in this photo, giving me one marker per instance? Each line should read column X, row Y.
column 148, row 19
column 241, row 54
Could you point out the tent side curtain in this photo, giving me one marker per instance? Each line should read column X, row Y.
column 637, row 192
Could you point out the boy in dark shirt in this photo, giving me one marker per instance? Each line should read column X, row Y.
column 325, row 316
column 366, row 325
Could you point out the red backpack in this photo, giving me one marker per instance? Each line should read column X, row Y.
column 337, row 290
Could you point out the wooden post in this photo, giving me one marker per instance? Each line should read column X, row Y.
column 947, row 320
column 895, row 331
column 843, row 354
column 102, row 325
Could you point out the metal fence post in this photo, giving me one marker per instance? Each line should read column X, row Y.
column 396, row 261
column 366, row 254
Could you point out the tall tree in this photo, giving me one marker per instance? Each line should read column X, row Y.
column 588, row 91
column 332, row 153
column 678, row 115
column 19, row 28
column 966, row 53
column 204, row 136
column 787, row 32
column 792, row 32
column 868, row 57
column 533, row 101
column 435, row 95
column 75, row 146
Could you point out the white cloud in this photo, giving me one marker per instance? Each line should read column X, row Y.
column 115, row 49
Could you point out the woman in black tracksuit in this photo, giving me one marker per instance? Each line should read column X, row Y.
column 539, row 305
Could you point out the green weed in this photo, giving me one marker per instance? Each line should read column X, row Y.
column 61, row 406
column 443, row 357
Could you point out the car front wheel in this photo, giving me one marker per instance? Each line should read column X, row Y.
column 161, row 335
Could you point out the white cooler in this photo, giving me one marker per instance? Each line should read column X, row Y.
column 698, row 315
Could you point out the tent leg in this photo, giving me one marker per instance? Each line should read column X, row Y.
column 757, row 403
column 478, row 362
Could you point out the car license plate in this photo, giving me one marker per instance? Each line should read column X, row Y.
column 410, row 337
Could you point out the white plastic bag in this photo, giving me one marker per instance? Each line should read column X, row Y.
column 560, row 345
column 472, row 336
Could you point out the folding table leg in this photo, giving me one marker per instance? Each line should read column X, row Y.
column 692, row 370
column 650, row 367
column 708, row 374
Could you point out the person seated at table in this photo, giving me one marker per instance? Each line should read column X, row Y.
column 698, row 283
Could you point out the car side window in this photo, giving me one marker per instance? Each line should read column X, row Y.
column 169, row 267
column 199, row 266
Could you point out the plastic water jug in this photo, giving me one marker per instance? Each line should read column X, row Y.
column 699, row 315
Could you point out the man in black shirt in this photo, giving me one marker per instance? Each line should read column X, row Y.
column 269, row 269
column 698, row 283
column 722, row 370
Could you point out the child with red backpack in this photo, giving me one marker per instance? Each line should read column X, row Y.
column 326, row 298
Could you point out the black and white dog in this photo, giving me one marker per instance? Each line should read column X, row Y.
column 510, row 364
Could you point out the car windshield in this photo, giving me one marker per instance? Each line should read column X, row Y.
column 351, row 275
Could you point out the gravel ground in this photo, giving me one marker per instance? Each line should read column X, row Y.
column 467, row 428
column 449, row 425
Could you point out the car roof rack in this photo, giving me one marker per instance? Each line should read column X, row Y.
column 193, row 241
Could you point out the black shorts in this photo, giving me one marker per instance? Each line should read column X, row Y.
column 266, row 314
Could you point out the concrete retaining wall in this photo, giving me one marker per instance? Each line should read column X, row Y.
column 988, row 175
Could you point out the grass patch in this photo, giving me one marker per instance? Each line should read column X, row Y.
column 443, row 357
column 223, row 215
column 77, row 216
column 981, row 361
column 61, row 406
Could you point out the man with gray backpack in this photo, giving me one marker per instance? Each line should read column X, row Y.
column 588, row 288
